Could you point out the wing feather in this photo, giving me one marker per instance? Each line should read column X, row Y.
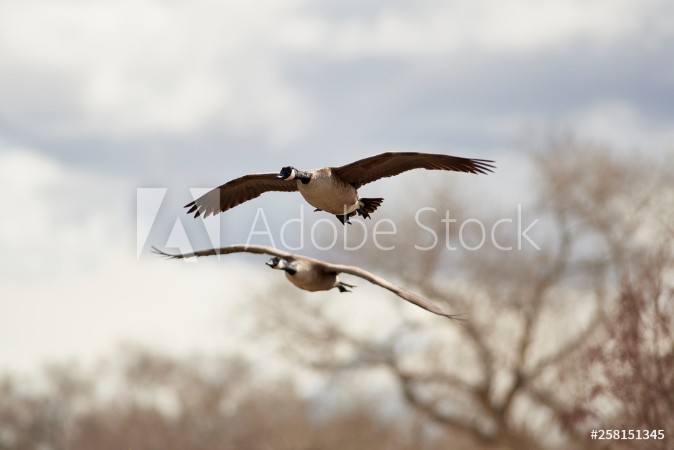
column 400, row 292
column 238, row 191
column 351, row 270
column 239, row 248
column 390, row 164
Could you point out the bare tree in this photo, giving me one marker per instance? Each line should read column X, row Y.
column 140, row 399
column 558, row 341
column 513, row 376
column 632, row 386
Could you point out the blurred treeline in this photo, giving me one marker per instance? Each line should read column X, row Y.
column 558, row 341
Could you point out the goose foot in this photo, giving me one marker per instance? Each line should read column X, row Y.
column 344, row 219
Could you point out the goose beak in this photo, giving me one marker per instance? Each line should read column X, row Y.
column 270, row 264
column 280, row 177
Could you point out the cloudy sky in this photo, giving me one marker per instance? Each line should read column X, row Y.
column 102, row 98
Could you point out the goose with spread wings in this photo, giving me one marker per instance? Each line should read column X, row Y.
column 332, row 189
column 314, row 275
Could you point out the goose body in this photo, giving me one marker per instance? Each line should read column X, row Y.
column 331, row 189
column 314, row 275
column 307, row 275
column 329, row 193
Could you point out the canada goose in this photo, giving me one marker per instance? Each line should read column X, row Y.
column 331, row 189
column 314, row 275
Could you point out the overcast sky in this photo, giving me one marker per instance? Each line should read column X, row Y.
column 100, row 98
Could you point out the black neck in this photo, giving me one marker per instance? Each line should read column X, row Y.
column 304, row 177
column 290, row 270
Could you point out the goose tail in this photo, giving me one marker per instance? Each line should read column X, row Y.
column 368, row 205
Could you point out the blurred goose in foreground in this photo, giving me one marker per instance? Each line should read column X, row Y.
column 331, row 189
column 314, row 275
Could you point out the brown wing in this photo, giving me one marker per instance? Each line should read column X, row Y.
column 400, row 292
column 240, row 248
column 351, row 270
column 238, row 191
column 393, row 163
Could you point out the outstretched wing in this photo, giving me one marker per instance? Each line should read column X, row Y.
column 393, row 163
column 400, row 292
column 240, row 248
column 351, row 270
column 238, row 191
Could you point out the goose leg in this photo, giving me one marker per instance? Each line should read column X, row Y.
column 344, row 287
column 344, row 219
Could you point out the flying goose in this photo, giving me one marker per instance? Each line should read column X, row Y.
column 331, row 189
column 314, row 275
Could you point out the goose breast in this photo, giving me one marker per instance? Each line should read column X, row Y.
column 328, row 193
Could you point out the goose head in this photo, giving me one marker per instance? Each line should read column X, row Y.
column 277, row 263
column 287, row 173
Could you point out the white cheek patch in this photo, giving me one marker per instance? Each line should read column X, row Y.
column 292, row 175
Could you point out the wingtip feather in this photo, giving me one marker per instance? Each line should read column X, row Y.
column 162, row 253
column 456, row 317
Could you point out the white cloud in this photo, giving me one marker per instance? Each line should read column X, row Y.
column 623, row 127
column 439, row 27
column 52, row 211
column 70, row 283
column 82, row 314
column 147, row 66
